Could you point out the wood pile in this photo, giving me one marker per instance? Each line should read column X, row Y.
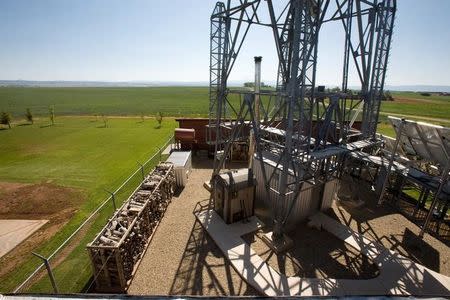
column 117, row 249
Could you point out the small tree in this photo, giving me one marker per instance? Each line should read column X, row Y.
column 336, row 89
column 105, row 121
column 51, row 111
column 159, row 118
column 387, row 96
column 5, row 119
column 29, row 116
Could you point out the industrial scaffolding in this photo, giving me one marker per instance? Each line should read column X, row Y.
column 301, row 127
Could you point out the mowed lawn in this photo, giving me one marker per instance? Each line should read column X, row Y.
column 77, row 152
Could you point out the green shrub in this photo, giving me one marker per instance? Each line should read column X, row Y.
column 51, row 111
column 5, row 119
column 159, row 119
column 105, row 121
column 29, row 116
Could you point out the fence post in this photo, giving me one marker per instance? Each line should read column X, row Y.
column 113, row 198
column 160, row 153
column 49, row 271
column 142, row 170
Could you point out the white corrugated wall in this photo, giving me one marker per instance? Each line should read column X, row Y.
column 307, row 203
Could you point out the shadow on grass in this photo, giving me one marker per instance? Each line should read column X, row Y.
column 45, row 126
column 24, row 124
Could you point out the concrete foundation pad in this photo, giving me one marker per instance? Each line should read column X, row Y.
column 13, row 232
column 279, row 246
column 398, row 275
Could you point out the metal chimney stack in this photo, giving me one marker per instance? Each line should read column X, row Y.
column 251, row 148
column 258, row 60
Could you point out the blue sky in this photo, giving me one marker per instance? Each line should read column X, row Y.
column 160, row 40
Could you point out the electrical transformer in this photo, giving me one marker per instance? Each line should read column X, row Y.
column 234, row 195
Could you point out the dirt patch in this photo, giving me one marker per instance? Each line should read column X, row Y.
column 34, row 202
column 412, row 100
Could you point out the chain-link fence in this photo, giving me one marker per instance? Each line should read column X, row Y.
column 70, row 262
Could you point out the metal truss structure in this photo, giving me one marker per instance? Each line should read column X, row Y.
column 304, row 128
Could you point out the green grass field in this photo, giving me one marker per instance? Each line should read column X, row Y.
column 77, row 152
column 173, row 101
column 176, row 101
column 94, row 157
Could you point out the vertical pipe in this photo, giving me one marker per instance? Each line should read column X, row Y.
column 258, row 60
column 257, row 116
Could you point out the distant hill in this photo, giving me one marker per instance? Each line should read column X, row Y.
column 31, row 83
column 419, row 88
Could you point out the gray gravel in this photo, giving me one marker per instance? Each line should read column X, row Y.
column 182, row 259
column 389, row 227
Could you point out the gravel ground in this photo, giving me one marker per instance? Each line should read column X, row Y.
column 408, row 208
column 389, row 227
column 182, row 259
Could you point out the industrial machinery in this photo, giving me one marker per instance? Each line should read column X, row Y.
column 298, row 133
column 234, row 195
column 184, row 138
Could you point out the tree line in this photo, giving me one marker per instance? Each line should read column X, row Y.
column 6, row 118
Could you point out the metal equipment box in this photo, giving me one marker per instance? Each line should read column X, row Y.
column 234, row 194
column 312, row 197
column 182, row 164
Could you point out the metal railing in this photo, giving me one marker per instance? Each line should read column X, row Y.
column 74, row 274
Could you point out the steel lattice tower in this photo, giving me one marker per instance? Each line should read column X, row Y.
column 303, row 128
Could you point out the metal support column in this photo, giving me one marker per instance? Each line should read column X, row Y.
column 49, row 271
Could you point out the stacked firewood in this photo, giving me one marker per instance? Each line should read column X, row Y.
column 119, row 246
